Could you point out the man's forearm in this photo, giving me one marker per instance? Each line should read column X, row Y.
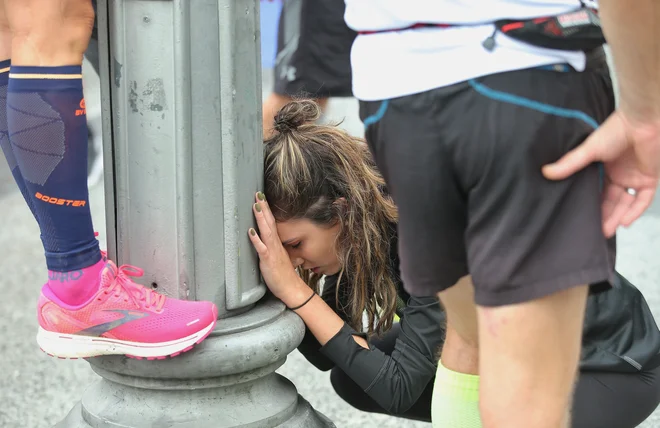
column 632, row 29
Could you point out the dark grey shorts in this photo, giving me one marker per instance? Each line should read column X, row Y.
column 313, row 50
column 463, row 163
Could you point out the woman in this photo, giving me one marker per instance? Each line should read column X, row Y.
column 325, row 212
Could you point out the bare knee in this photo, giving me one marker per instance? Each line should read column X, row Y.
column 49, row 32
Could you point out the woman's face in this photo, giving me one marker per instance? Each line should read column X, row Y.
column 310, row 246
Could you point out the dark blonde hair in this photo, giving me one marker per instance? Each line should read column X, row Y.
column 321, row 173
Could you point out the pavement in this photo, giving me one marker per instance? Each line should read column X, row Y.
column 38, row 391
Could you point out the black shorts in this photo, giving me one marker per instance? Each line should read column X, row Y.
column 313, row 50
column 463, row 164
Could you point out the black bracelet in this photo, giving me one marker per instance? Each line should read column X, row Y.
column 305, row 302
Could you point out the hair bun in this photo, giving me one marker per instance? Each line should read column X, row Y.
column 295, row 114
column 285, row 124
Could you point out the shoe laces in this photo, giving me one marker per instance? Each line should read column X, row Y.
column 140, row 295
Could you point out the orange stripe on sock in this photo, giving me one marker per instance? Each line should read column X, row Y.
column 45, row 76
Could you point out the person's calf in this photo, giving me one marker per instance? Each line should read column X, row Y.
column 456, row 388
column 460, row 351
column 528, row 360
column 455, row 400
column 47, row 130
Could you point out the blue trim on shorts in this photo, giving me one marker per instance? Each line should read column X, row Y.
column 542, row 107
column 511, row 99
column 376, row 117
column 531, row 104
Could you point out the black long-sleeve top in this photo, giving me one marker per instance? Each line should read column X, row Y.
column 395, row 381
column 620, row 335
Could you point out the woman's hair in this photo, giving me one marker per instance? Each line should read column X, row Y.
column 323, row 174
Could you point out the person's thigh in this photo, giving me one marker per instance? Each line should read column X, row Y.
column 615, row 400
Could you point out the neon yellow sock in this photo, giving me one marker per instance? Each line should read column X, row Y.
column 455, row 402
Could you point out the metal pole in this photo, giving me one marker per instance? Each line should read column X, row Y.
column 181, row 99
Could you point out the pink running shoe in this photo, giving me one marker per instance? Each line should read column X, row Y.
column 123, row 318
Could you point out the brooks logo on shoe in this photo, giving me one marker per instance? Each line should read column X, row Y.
column 105, row 327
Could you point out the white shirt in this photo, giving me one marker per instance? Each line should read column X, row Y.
column 398, row 63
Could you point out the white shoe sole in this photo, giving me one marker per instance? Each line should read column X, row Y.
column 75, row 346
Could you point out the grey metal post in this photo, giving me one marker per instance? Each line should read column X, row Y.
column 182, row 100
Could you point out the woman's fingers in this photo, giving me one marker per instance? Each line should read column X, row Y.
column 268, row 214
column 265, row 232
column 256, row 242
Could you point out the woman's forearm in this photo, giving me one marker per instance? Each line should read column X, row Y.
column 319, row 318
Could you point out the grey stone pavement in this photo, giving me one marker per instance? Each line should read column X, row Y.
column 37, row 391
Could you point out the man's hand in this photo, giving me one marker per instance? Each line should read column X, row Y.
column 631, row 155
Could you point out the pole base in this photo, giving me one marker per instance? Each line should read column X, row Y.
column 304, row 417
column 229, row 380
